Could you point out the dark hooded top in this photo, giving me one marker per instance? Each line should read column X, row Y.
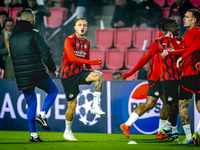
column 30, row 54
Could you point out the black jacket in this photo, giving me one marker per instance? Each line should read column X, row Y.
column 30, row 54
column 124, row 14
column 148, row 12
column 182, row 10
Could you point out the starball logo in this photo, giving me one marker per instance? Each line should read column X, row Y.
column 148, row 122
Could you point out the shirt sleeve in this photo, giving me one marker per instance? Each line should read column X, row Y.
column 68, row 47
column 143, row 60
column 88, row 57
column 192, row 49
column 177, row 52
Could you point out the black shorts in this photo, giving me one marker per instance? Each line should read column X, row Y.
column 170, row 91
column 71, row 84
column 189, row 85
column 155, row 89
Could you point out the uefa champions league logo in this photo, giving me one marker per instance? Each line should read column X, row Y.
column 84, row 105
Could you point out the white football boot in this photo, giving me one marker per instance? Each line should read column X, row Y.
column 97, row 110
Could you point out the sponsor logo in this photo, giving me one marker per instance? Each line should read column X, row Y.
column 148, row 122
column 71, row 95
column 84, row 105
column 169, row 98
column 156, row 93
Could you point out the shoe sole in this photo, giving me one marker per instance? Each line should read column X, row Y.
column 128, row 136
column 44, row 127
column 68, row 139
column 97, row 113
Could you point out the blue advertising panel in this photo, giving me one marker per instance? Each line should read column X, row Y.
column 119, row 99
column 13, row 109
column 126, row 97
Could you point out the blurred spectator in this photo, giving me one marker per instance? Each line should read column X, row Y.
column 15, row 3
column 179, row 21
column 123, row 14
column 40, row 12
column 4, row 39
column 19, row 15
column 148, row 13
column 117, row 76
column 142, row 73
column 2, row 3
column 181, row 7
column 3, row 16
column 73, row 6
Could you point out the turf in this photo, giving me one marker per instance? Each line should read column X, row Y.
column 19, row 140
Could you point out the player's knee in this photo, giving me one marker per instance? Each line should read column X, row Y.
column 99, row 75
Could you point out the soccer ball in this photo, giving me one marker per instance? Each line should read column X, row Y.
column 84, row 105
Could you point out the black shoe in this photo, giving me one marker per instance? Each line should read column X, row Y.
column 32, row 139
column 43, row 123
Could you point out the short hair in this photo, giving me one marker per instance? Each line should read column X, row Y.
column 167, row 24
column 195, row 13
column 115, row 73
column 79, row 19
column 3, row 12
column 27, row 14
column 8, row 20
column 177, row 14
column 19, row 13
column 160, row 23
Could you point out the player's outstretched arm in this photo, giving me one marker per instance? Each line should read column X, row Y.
column 143, row 60
column 192, row 49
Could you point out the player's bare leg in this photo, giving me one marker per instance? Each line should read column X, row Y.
column 97, row 77
column 69, row 114
column 171, row 122
column 196, row 135
column 164, row 113
column 139, row 111
column 185, row 120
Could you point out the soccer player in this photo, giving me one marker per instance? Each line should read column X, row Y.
column 31, row 55
column 189, row 80
column 76, row 54
column 155, row 90
column 170, row 76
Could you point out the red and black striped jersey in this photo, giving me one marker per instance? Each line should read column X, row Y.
column 191, row 57
column 168, row 69
column 191, row 54
column 75, row 55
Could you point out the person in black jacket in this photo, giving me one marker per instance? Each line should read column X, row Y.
column 31, row 56
column 147, row 14
column 123, row 14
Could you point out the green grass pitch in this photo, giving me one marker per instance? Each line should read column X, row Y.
column 19, row 140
